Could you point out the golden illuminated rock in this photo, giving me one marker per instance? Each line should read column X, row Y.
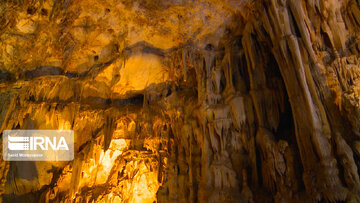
column 184, row 101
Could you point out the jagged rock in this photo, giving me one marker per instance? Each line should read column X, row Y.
column 184, row 101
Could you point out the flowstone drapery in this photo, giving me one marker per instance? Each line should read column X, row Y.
column 185, row 101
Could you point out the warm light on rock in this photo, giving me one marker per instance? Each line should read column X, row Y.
column 184, row 101
column 140, row 71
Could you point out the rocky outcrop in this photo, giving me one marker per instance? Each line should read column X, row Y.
column 184, row 101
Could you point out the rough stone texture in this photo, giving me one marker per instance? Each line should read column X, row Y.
column 184, row 101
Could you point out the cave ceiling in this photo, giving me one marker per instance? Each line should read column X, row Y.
column 184, row 100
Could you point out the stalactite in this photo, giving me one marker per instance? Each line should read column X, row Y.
column 254, row 101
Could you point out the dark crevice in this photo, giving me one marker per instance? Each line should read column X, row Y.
column 295, row 26
column 327, row 41
column 6, row 76
column 31, row 10
column 286, row 128
column 54, row 70
column 44, row 12
column 94, row 102
column 42, row 71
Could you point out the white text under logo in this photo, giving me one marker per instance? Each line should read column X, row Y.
column 38, row 145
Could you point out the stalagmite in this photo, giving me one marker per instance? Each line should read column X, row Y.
column 184, row 101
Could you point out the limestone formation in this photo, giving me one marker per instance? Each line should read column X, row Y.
column 184, row 100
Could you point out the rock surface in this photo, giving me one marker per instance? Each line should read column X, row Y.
column 184, row 101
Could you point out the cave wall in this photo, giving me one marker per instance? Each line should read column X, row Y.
column 184, row 101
